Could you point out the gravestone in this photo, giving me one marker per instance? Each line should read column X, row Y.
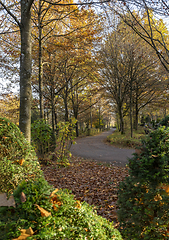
column 6, row 202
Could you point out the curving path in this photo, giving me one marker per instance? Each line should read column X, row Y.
column 94, row 148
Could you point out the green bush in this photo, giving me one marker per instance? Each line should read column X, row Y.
column 143, row 196
column 67, row 218
column 18, row 160
column 42, row 137
column 165, row 121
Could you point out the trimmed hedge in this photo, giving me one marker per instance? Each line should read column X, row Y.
column 18, row 159
column 52, row 215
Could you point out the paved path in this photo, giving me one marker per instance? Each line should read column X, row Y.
column 94, row 148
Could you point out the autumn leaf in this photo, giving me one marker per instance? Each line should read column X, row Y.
column 158, row 197
column 21, row 161
column 165, row 187
column 53, row 193
column 23, row 197
column 78, row 204
column 43, row 212
column 55, row 202
column 24, row 234
column 89, row 181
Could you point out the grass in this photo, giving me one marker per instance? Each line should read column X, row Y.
column 125, row 140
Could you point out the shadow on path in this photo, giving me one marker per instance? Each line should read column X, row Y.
column 94, row 148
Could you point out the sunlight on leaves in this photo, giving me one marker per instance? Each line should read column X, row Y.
column 43, row 212
column 25, row 233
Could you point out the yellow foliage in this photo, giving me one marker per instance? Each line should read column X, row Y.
column 78, row 204
column 24, row 234
column 43, row 212
column 53, row 193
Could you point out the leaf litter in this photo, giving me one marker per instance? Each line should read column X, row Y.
column 90, row 181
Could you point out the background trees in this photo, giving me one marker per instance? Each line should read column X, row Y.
column 65, row 68
column 130, row 72
column 145, row 18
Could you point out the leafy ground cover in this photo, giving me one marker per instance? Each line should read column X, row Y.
column 90, row 181
column 125, row 140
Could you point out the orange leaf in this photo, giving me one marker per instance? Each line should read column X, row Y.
column 21, row 161
column 53, row 193
column 43, row 212
column 24, row 234
column 55, row 200
column 78, row 204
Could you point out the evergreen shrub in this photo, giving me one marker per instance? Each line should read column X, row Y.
column 165, row 121
column 18, row 159
column 143, row 197
column 51, row 214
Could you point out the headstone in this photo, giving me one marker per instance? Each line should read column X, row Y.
column 6, row 202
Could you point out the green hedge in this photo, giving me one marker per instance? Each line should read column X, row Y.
column 143, row 197
column 18, row 159
column 64, row 218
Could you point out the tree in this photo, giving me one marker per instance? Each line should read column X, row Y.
column 24, row 23
column 67, row 59
column 146, row 24
column 9, row 107
column 130, row 73
column 20, row 14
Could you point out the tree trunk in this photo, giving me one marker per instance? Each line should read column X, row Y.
column 25, row 73
column 90, row 112
column 121, row 121
column 53, row 109
column 131, row 110
column 136, row 113
column 40, row 64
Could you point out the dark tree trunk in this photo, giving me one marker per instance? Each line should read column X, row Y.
column 40, row 64
column 25, row 72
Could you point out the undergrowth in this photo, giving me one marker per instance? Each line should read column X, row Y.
column 125, row 140
column 52, row 214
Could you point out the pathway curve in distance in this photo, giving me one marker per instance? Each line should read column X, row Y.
column 94, row 148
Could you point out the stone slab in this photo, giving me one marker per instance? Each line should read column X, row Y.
column 6, row 202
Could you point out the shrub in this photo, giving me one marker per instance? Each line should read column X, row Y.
column 52, row 215
column 42, row 137
column 165, row 121
column 18, row 160
column 65, row 138
column 143, row 196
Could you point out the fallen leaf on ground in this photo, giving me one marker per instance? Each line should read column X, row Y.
column 90, row 181
column 23, row 197
column 43, row 212
column 24, row 234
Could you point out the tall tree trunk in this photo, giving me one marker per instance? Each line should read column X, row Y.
column 53, row 109
column 121, row 120
column 90, row 112
column 40, row 63
column 75, row 109
column 136, row 113
column 66, row 110
column 25, row 72
column 131, row 110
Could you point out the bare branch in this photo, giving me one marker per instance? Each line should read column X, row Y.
column 10, row 13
